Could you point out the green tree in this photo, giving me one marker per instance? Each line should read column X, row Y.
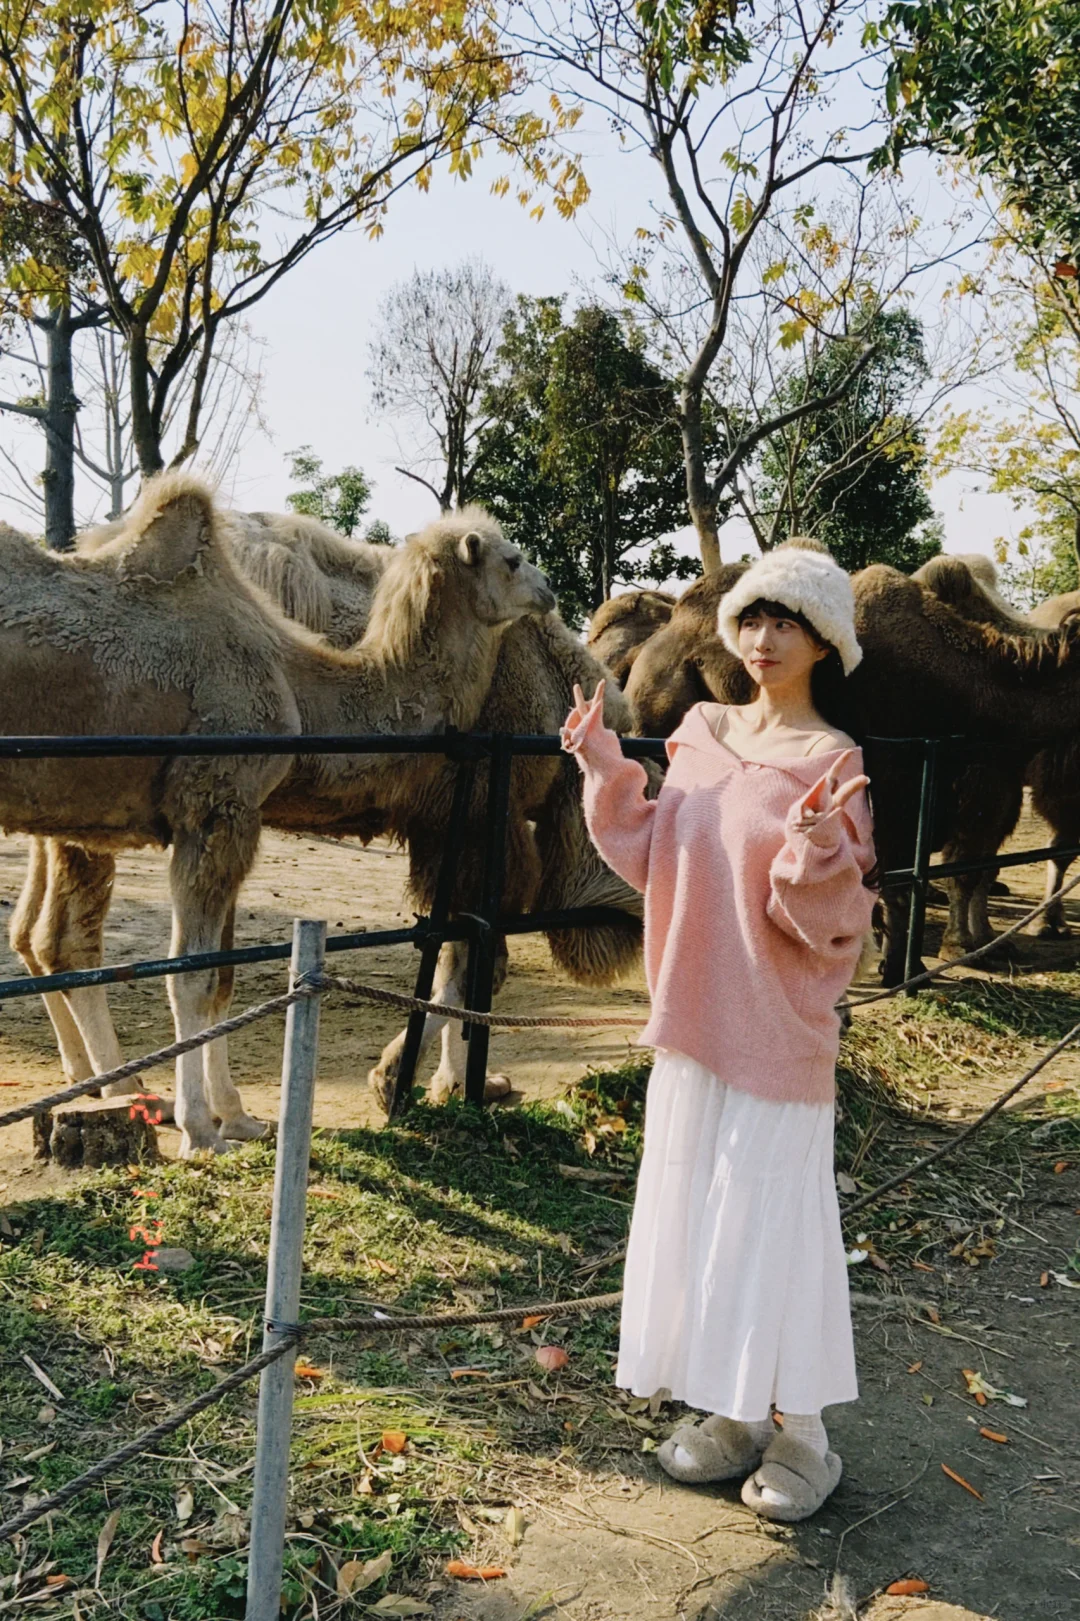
column 337, row 499
column 996, row 82
column 581, row 458
column 856, row 476
column 201, row 152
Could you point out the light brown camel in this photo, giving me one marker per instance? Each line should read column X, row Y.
column 1052, row 614
column 550, row 861
column 159, row 632
column 928, row 669
column 621, row 626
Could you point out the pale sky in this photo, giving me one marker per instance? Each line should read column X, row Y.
column 313, row 332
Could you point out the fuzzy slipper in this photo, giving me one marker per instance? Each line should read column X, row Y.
column 719, row 1449
column 804, row 1477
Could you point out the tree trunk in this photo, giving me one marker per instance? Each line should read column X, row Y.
column 143, row 431
column 700, row 496
column 61, row 405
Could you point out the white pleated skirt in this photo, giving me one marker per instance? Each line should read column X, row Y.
column 735, row 1291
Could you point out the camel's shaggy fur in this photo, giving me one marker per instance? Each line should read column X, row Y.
column 551, row 862
column 621, row 626
column 685, row 662
column 157, row 631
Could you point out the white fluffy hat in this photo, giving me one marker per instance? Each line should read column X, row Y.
column 806, row 579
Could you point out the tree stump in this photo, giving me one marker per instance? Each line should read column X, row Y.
column 104, row 1131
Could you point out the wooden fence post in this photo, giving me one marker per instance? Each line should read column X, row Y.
column 284, row 1265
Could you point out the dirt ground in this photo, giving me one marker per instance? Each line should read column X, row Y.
column 352, row 888
column 628, row 1542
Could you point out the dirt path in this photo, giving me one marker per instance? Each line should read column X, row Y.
column 352, row 888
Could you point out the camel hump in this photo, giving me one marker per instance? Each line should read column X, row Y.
column 169, row 529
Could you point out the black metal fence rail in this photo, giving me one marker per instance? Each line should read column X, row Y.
column 481, row 927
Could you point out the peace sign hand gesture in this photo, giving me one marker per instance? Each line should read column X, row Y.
column 826, row 799
column 584, row 716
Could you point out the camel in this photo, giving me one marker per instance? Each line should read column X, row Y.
column 928, row 667
column 550, row 860
column 621, row 626
column 1054, row 779
column 1052, row 614
column 158, row 632
column 685, row 662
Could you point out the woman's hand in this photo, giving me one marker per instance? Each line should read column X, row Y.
column 583, row 717
column 827, row 798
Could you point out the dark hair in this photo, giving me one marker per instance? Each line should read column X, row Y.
column 828, row 683
column 829, row 691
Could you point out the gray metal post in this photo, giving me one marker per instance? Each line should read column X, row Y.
column 284, row 1264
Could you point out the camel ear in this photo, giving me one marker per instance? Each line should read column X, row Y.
column 171, row 540
column 470, row 547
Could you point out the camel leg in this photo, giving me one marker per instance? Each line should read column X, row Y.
column 224, row 1100
column 383, row 1078
column 894, row 908
column 69, row 935
column 979, row 925
column 449, row 1078
column 205, row 873
column 957, row 939
column 1052, row 924
column 73, row 1054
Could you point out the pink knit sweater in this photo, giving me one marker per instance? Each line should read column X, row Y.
column 752, row 928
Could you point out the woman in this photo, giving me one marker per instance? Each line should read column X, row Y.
column 753, row 861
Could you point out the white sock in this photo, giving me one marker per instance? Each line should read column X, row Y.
column 762, row 1430
column 808, row 1428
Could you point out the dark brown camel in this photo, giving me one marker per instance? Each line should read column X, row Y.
column 927, row 668
column 621, row 626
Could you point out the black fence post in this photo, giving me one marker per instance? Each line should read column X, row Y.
column 433, row 938
column 480, row 979
column 924, row 849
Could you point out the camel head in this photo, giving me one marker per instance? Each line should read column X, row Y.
column 459, row 570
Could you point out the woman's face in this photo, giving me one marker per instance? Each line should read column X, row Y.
column 777, row 652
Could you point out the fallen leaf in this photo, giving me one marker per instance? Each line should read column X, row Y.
column 105, row 1542
column 357, row 1574
column 304, row 1370
column 531, row 1322
column 514, row 1525
column 583, row 1173
column 400, row 1604
column 59, row 1580
column 933, row 1314
column 470, row 1373
column 1065, row 1281
column 394, row 1440
column 1044, row 1281
column 382, row 1266
column 846, row 1183
column 909, row 1586
column 923, row 1266
column 995, row 1435
column 194, row 1547
column 322, row 1193
column 551, row 1357
column 185, row 1505
column 960, row 1481
column 880, row 1263
column 1062, row 1165
column 915, row 1366
column 155, row 1550
column 983, row 1391
column 474, row 1573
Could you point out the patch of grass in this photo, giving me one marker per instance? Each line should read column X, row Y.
column 452, row 1208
